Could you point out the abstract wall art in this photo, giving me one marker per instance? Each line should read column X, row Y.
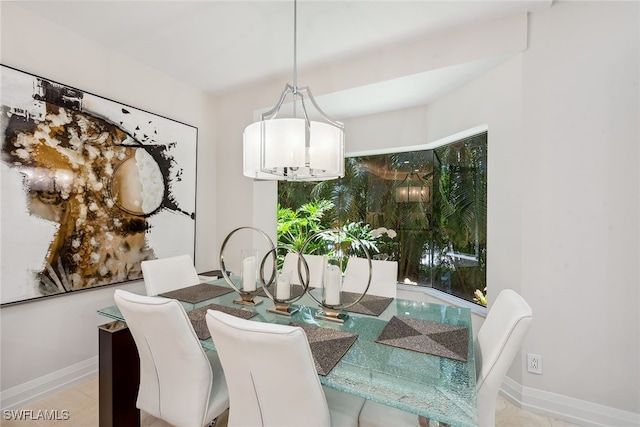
column 90, row 188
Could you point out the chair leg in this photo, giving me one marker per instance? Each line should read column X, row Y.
column 426, row 422
column 214, row 422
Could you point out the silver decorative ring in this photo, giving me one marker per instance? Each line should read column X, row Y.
column 305, row 285
column 223, row 267
column 337, row 230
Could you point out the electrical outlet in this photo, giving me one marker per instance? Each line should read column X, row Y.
column 534, row 363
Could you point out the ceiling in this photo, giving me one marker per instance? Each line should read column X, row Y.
column 217, row 46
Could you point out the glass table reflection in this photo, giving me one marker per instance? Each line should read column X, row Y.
column 437, row 388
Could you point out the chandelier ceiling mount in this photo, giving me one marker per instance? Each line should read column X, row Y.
column 296, row 147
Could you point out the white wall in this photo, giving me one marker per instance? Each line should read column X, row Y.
column 46, row 336
column 580, row 216
column 563, row 189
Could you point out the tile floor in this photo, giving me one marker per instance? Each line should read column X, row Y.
column 81, row 402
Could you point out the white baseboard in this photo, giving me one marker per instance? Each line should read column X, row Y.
column 566, row 408
column 19, row 396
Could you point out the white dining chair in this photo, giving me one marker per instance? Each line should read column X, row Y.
column 180, row 383
column 167, row 274
column 316, row 264
column 272, row 377
column 384, row 277
column 495, row 346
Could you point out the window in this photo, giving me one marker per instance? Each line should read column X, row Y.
column 425, row 209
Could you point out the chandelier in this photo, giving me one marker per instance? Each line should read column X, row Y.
column 413, row 189
column 294, row 145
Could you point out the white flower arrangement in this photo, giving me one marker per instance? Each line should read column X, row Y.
column 382, row 230
column 384, row 243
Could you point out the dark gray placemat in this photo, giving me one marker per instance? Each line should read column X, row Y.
column 199, row 322
column 369, row 304
column 427, row 337
column 327, row 345
column 197, row 293
column 296, row 291
column 212, row 273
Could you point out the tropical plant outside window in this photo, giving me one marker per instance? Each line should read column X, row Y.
column 425, row 209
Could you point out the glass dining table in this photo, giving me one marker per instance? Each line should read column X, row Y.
column 436, row 387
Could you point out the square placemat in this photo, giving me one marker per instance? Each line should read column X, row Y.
column 327, row 345
column 425, row 336
column 199, row 322
column 197, row 293
column 373, row 305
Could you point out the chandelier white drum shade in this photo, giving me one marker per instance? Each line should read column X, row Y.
column 289, row 149
column 294, row 148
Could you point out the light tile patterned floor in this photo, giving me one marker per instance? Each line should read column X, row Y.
column 81, row 402
column 508, row 415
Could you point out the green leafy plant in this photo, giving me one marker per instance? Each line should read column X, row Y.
column 361, row 231
column 295, row 226
column 385, row 243
column 441, row 238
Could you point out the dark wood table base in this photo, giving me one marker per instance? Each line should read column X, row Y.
column 119, row 376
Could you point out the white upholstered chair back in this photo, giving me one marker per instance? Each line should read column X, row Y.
column 270, row 371
column 176, row 376
column 384, row 277
column 496, row 345
column 167, row 274
column 316, row 264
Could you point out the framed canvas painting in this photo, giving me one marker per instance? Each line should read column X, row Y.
column 90, row 188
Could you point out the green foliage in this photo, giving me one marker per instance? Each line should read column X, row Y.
column 460, row 210
column 296, row 226
column 361, row 231
column 451, row 219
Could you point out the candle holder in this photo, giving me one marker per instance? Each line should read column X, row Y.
column 282, row 296
column 337, row 316
column 248, row 277
column 248, row 271
column 340, row 240
column 248, row 298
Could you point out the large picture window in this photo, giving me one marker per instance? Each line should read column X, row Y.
column 425, row 209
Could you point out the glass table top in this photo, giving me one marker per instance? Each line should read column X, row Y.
column 437, row 388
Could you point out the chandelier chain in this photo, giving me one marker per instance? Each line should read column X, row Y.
column 295, row 46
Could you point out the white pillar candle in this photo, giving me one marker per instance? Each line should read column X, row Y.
column 332, row 285
column 283, row 286
column 249, row 274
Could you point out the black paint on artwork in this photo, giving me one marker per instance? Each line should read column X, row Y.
column 56, row 94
